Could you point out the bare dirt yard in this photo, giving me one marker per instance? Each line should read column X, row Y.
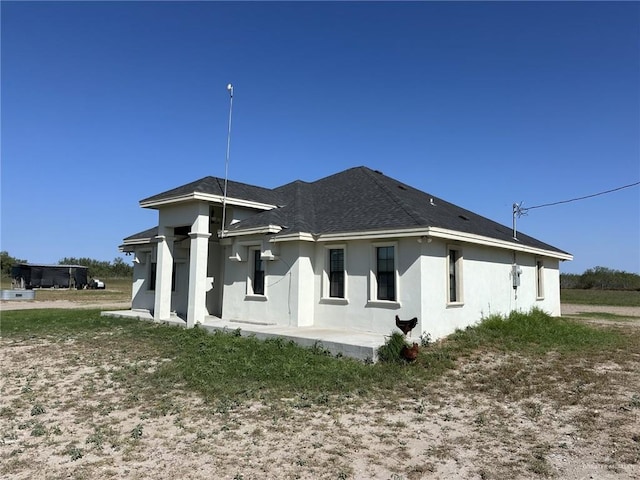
column 68, row 412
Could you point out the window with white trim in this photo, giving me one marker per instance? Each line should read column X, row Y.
column 384, row 277
column 336, row 272
column 454, row 277
column 255, row 282
column 539, row 279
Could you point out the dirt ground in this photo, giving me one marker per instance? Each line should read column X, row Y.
column 66, row 413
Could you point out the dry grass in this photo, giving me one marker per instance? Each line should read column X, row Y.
column 101, row 403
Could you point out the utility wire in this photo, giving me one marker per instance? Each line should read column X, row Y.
column 524, row 210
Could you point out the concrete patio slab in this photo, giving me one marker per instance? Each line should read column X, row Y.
column 349, row 343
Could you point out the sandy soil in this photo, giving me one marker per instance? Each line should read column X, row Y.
column 69, row 412
column 572, row 309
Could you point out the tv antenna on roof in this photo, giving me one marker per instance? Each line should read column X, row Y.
column 226, row 162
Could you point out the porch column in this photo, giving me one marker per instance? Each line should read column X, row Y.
column 196, row 307
column 164, row 273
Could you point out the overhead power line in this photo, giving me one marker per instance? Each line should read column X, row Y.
column 524, row 210
column 519, row 210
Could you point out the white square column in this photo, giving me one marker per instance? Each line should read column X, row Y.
column 196, row 307
column 164, row 273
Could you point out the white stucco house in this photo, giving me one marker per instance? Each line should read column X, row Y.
column 349, row 251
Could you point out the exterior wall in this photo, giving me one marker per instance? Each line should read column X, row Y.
column 295, row 296
column 142, row 297
column 302, row 292
column 487, row 287
column 295, row 288
column 276, row 306
column 359, row 313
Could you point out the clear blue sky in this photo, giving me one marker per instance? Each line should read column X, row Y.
column 482, row 104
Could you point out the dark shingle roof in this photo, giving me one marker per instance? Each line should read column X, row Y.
column 356, row 200
column 215, row 186
column 144, row 235
column 360, row 199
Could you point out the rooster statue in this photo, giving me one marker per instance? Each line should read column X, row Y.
column 406, row 325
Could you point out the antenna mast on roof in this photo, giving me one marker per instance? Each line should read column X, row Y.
column 226, row 163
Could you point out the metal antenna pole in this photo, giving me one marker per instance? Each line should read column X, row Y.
column 518, row 211
column 226, row 163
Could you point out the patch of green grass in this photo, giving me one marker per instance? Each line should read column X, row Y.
column 620, row 298
column 43, row 322
column 227, row 366
column 534, row 332
column 230, row 369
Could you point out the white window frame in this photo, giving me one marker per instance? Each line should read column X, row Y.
column 458, row 274
column 539, row 262
column 373, row 276
column 326, row 284
column 250, row 294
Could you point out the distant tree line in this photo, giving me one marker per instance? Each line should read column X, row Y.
column 100, row 268
column 601, row 278
column 118, row 268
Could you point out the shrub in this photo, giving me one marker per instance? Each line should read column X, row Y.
column 391, row 351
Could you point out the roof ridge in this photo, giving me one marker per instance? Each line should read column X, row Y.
column 415, row 216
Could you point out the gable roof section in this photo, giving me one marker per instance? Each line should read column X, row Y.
column 213, row 188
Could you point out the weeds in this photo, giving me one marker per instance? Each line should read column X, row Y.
column 391, row 351
column 136, row 432
column 39, row 430
column 74, row 452
column 535, row 332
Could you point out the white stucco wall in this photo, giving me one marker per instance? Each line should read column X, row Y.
column 142, row 298
column 359, row 312
column 295, row 296
column 276, row 306
column 295, row 289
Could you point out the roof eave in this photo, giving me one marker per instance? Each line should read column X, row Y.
column 428, row 232
column 129, row 245
column 205, row 197
column 494, row 242
column 266, row 229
